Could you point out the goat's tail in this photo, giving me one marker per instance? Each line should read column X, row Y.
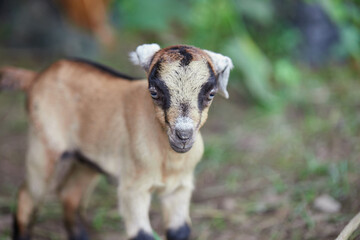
column 12, row 78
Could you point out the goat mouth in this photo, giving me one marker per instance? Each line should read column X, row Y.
column 182, row 149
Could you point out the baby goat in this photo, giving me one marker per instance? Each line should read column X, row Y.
column 144, row 133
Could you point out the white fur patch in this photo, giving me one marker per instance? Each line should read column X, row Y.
column 222, row 65
column 143, row 54
column 184, row 123
column 189, row 80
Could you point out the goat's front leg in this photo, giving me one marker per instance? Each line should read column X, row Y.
column 134, row 207
column 175, row 208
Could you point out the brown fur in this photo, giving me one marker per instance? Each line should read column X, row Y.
column 164, row 53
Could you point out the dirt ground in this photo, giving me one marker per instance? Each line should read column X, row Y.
column 259, row 177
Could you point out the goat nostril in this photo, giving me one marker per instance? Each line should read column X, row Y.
column 184, row 134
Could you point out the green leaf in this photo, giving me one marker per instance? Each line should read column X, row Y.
column 258, row 10
column 156, row 236
column 155, row 15
column 255, row 67
column 286, row 73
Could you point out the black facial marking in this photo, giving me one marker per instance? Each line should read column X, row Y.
column 184, row 109
column 103, row 68
column 205, row 89
column 211, row 73
column 156, row 82
column 182, row 233
column 143, row 236
column 154, row 74
column 166, row 118
column 187, row 57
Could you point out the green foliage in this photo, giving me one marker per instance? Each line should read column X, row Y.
column 227, row 33
column 155, row 15
column 156, row 236
column 346, row 15
column 286, row 73
column 279, row 185
column 338, row 182
column 218, row 223
column 99, row 218
column 254, row 66
column 259, row 11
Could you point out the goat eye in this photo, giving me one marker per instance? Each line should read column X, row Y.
column 154, row 94
column 211, row 95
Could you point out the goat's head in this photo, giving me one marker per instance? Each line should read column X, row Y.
column 183, row 81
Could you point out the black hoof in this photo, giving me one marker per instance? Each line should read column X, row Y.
column 80, row 234
column 16, row 234
column 143, row 236
column 182, row 233
column 76, row 230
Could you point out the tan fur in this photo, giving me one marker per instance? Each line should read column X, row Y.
column 73, row 194
column 75, row 107
column 114, row 123
column 25, row 209
column 15, row 78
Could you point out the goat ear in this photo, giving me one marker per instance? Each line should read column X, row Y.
column 222, row 65
column 143, row 54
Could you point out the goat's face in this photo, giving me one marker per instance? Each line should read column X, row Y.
column 183, row 82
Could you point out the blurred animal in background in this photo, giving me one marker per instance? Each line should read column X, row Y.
column 56, row 27
column 91, row 15
column 143, row 133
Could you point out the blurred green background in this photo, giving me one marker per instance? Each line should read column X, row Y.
column 282, row 154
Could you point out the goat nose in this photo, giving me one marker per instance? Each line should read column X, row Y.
column 184, row 134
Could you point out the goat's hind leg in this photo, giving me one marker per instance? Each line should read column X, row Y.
column 40, row 164
column 73, row 194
